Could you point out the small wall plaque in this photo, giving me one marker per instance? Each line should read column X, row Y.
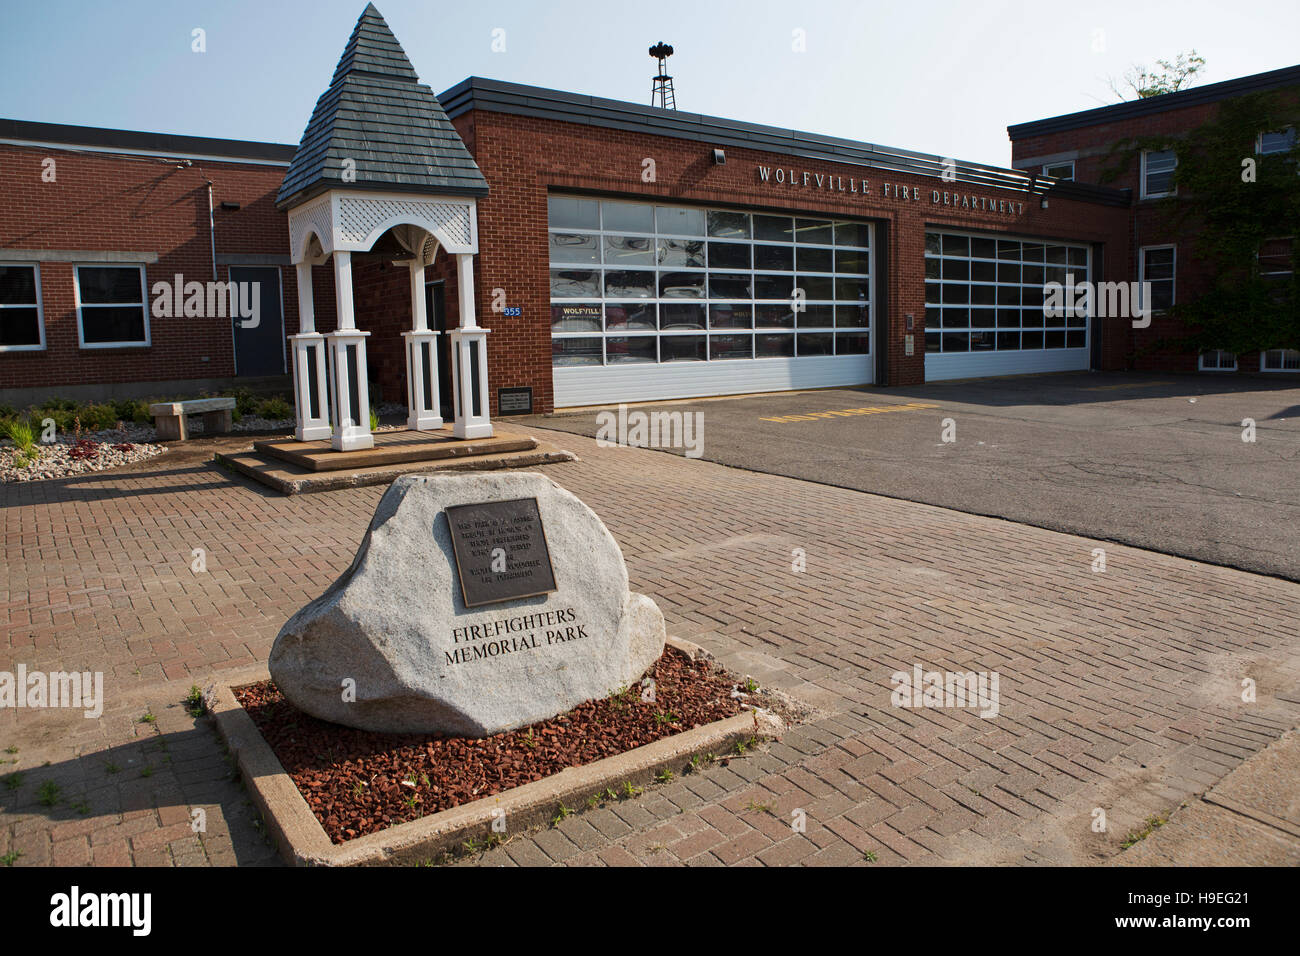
column 500, row 549
column 515, row 401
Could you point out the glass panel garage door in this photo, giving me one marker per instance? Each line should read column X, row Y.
column 653, row 301
column 984, row 306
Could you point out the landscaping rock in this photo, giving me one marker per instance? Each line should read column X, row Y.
column 395, row 629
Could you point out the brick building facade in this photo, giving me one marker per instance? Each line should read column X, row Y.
column 920, row 267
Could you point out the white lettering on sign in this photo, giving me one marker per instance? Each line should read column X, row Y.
column 834, row 183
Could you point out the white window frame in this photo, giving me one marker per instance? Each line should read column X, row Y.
column 1200, row 362
column 143, row 303
column 1150, row 195
column 40, row 308
column 1067, row 162
column 1259, row 142
column 1276, row 371
column 1142, row 272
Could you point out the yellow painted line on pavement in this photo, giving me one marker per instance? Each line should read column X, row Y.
column 849, row 412
column 1111, row 388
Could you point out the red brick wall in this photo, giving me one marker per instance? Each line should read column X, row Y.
column 137, row 204
column 524, row 157
column 1149, row 225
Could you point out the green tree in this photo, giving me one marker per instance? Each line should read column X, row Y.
column 1231, row 203
column 1139, row 83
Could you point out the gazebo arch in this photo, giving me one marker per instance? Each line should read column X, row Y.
column 380, row 155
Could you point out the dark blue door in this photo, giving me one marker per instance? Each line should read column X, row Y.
column 259, row 348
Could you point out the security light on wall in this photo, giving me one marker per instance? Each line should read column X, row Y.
column 719, row 158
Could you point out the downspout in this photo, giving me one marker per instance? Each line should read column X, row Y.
column 212, row 232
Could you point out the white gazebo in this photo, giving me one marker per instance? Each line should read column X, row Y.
column 379, row 156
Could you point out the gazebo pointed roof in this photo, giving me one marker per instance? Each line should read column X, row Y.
column 378, row 114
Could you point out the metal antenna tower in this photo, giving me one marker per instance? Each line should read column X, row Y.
column 663, row 83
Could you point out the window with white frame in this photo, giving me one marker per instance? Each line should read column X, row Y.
column 22, row 325
column 1158, row 167
column 1062, row 171
column 1276, row 141
column 1156, row 268
column 638, row 282
column 1280, row 360
column 1217, row 360
column 111, row 310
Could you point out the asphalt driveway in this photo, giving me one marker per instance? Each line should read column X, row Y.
column 1155, row 461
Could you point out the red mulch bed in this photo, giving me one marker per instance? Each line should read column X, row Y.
column 358, row 782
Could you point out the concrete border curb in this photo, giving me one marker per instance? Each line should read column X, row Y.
column 303, row 842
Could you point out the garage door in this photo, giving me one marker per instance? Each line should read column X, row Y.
column 654, row 302
column 984, row 306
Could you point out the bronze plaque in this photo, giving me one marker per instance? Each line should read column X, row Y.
column 501, row 552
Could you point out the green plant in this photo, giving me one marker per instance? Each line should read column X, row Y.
column 194, row 701
column 665, row 717
column 869, row 856
column 274, row 409
column 629, row 791
column 112, row 767
column 82, row 807
column 13, row 781
column 561, row 815
column 10, row 858
column 147, row 771
column 245, row 400
column 11, row 749
column 148, row 717
column 20, row 432
column 1150, row 825
column 751, row 686
column 664, row 775
column 754, row 807
column 48, row 794
column 374, row 420
column 528, row 740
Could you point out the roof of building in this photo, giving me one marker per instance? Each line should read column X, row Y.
column 478, row 93
column 23, row 132
column 379, row 115
column 1196, row 96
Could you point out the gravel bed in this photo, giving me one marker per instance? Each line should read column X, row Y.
column 357, row 782
column 94, row 451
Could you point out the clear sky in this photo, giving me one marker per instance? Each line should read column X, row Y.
column 942, row 76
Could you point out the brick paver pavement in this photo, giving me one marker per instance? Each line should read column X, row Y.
column 1118, row 690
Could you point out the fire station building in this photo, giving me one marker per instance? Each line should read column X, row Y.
column 552, row 250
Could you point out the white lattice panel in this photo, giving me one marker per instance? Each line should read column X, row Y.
column 359, row 217
column 306, row 220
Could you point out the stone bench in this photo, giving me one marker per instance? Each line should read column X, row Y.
column 169, row 417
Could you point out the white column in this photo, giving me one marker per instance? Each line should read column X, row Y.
column 349, row 380
column 422, row 401
column 469, row 373
column 310, row 393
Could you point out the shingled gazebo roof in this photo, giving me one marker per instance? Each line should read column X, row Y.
column 377, row 113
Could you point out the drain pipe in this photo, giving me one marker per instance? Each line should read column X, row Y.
column 212, row 232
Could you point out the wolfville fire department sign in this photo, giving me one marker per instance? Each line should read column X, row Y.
column 833, row 183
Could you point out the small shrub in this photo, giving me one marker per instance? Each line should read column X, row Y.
column 20, row 432
column 245, row 401
column 274, row 409
column 98, row 418
column 84, row 449
column 374, row 420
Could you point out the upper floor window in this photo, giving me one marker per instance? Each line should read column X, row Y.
column 1278, row 141
column 111, row 308
column 21, row 324
column 1064, row 171
column 1158, row 172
